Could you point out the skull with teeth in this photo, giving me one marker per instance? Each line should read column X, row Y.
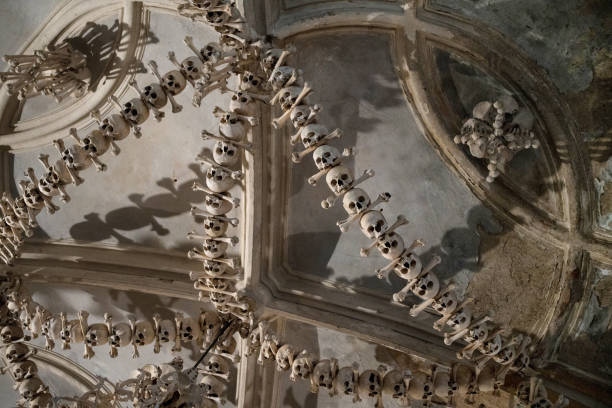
column 190, row 330
column 97, row 335
column 218, row 179
column 313, row 134
column 214, row 268
column 144, row 333
column 427, row 286
column 288, row 97
column 446, row 304
column 409, row 266
column 115, row 127
column 355, row 201
column 215, row 205
column 120, row 335
column 339, row 179
column 370, row 383
column 135, row 111
column 218, row 365
column 394, row 383
column 95, row 143
column 214, row 249
column 166, row 331
column 23, row 370
column 192, row 68
column 390, row 245
column 347, row 380
column 225, row 153
column 155, row 95
column 373, row 224
column 215, row 227
column 211, row 52
column 249, row 81
column 326, row 156
column 242, row 103
column 211, row 386
column 174, row 82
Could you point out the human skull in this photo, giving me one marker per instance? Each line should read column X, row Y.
column 21, row 207
column 444, row 386
column 211, row 386
column 409, row 266
column 326, row 156
column 115, row 126
column 249, row 81
column 225, row 154
column 373, row 224
column 395, row 383
column 211, row 52
column 44, row 400
column 227, row 346
column 190, row 330
column 16, row 352
column 339, row 179
column 30, row 388
column 23, row 370
column 285, row 356
column 50, row 182
column 355, row 201
column 215, row 227
column 506, row 355
column 144, row 333
column 232, row 127
column 192, row 68
column 347, row 380
column 174, row 82
column 484, row 111
column 11, row 333
column 324, row 374
column 299, row 116
column 216, row 206
column 302, row 366
column 166, row 331
column 210, row 324
column 76, row 157
column 217, row 17
column 281, row 76
column 312, row 134
column 477, row 333
column 155, row 95
column 214, row 249
column 121, row 335
column 218, row 179
column 420, row 387
column 288, row 97
column 32, row 197
column 427, row 286
column 135, row 111
column 270, row 59
column 242, row 103
column 390, row 245
column 446, row 303
column 460, row 320
column 218, row 365
column 97, row 335
column 214, row 268
column 370, row 383
column 95, row 143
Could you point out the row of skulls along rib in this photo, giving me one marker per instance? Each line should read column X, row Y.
column 19, row 312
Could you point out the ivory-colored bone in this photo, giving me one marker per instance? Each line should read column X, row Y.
column 189, row 43
column 233, row 241
column 88, row 351
column 156, row 322
column 178, row 322
column 235, row 174
column 278, row 122
column 193, row 275
column 176, row 107
column 380, row 272
column 331, row 200
column 156, row 112
column 401, row 220
column 312, row 116
column 482, row 360
column 439, row 324
column 48, row 202
column 450, row 338
column 344, row 224
column 415, row 310
column 224, row 376
column 206, row 135
column 235, row 201
column 400, row 296
column 198, row 211
column 252, row 120
column 504, row 369
column 136, row 129
column 297, row 157
column 201, row 287
column 314, row 179
column 196, row 254
column 279, row 62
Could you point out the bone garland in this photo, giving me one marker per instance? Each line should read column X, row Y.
column 59, row 71
column 496, row 132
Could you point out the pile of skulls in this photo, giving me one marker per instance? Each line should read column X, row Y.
column 59, row 71
column 496, row 132
column 16, row 354
column 441, row 384
column 485, row 341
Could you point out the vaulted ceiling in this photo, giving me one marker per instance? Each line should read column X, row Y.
column 532, row 248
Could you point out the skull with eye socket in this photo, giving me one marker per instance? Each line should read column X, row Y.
column 427, row 286
column 166, row 331
column 232, row 127
column 288, row 97
column 215, row 205
column 155, row 95
column 205, row 4
column 96, row 143
column 189, row 330
column 49, row 184
column 355, row 201
column 302, row 366
column 243, row 104
column 20, row 206
column 23, row 370
column 217, row 17
column 460, row 320
column 214, row 268
column 192, row 68
column 120, row 335
column 174, row 82
column 283, row 76
column 214, row 227
column 348, row 381
column 370, row 383
column 339, row 179
column 75, row 157
column 135, row 111
column 301, row 115
column 249, row 81
column 211, row 386
column 11, row 333
column 214, row 249
column 373, row 224
column 218, row 179
column 97, row 335
column 115, row 127
column 409, row 266
column 218, row 365
column 211, row 52
column 210, row 324
column 313, row 134
column 270, row 59
column 32, row 196
column 143, row 333
column 390, row 245
column 225, row 154
column 326, row 156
